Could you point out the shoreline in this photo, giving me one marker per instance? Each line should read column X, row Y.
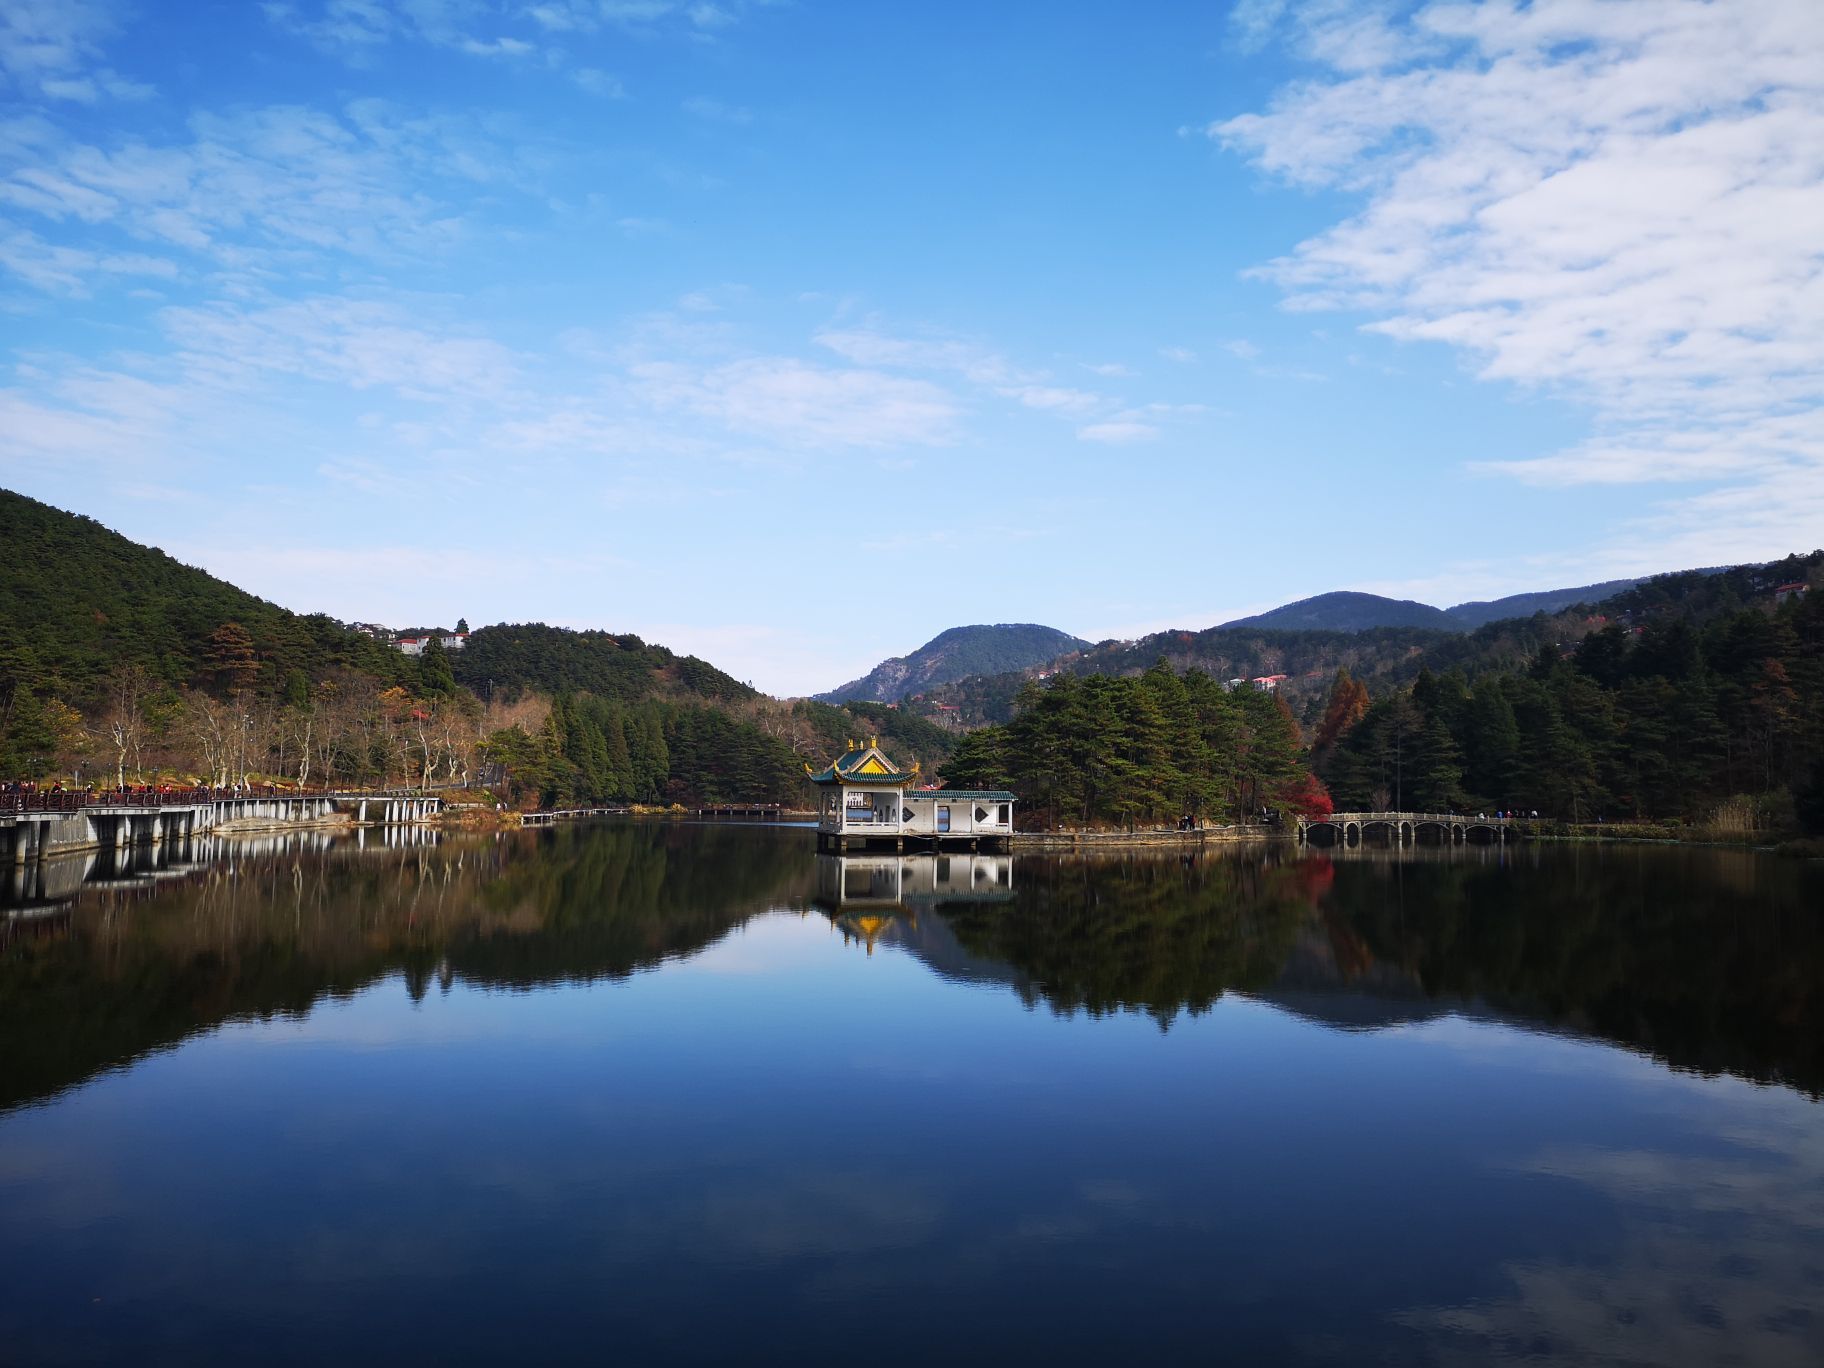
column 1140, row 840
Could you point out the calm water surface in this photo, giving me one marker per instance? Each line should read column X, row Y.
column 644, row 1093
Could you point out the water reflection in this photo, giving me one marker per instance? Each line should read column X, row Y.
column 236, row 928
column 1706, row 960
column 1353, row 1109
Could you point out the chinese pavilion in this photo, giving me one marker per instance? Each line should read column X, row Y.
column 867, row 800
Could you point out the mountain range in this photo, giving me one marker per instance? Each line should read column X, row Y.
column 1383, row 642
column 1348, row 611
column 983, row 649
column 1010, row 648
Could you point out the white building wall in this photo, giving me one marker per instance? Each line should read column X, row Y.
column 963, row 819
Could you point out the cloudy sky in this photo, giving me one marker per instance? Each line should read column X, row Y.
column 791, row 333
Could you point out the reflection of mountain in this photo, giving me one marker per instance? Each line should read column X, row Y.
column 1145, row 934
column 1703, row 959
column 124, row 972
column 1329, row 979
column 1706, row 960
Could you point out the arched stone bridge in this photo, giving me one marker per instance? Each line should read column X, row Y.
column 1404, row 827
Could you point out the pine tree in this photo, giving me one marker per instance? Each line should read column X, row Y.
column 436, row 679
column 230, row 660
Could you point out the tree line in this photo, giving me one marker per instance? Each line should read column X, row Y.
column 1678, row 718
column 243, row 717
column 1143, row 750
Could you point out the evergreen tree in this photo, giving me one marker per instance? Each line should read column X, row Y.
column 230, row 662
column 980, row 761
column 436, row 679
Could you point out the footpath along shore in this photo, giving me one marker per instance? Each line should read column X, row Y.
column 1159, row 837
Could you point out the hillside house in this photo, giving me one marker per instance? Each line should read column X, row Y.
column 413, row 643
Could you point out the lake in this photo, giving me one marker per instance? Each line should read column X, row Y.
column 652, row 1092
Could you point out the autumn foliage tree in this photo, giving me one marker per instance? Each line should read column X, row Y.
column 1306, row 795
column 1348, row 705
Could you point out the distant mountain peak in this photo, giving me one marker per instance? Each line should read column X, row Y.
column 956, row 653
column 1347, row 610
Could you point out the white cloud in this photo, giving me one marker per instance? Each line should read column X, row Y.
column 261, row 192
column 868, row 347
column 715, row 111
column 789, row 400
column 346, row 342
column 1184, row 356
column 1057, row 398
column 1618, row 201
column 356, row 30
column 57, row 269
column 600, row 83
column 1119, row 432
column 52, row 48
column 977, row 364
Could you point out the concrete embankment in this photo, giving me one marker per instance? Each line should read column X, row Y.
column 1164, row 838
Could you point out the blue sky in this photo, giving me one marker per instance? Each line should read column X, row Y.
column 792, row 333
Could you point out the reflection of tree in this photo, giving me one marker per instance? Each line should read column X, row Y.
column 1152, row 935
column 1709, row 960
column 258, row 938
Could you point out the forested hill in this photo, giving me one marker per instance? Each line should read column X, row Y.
column 984, row 649
column 120, row 664
column 1545, row 601
column 1346, row 611
column 78, row 602
column 517, row 656
column 1387, row 657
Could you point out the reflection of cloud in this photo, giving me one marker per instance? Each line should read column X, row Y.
column 1767, row 1185
column 817, row 1214
column 1718, row 1261
column 1668, row 1299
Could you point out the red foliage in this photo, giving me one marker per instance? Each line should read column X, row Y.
column 1307, row 796
column 1348, row 705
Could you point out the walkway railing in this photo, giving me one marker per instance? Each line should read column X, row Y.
column 1414, row 819
column 18, row 802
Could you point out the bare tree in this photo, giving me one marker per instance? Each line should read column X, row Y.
column 300, row 724
column 459, row 737
column 208, row 726
column 123, row 721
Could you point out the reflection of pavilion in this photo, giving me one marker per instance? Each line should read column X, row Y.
column 900, row 882
column 863, row 894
